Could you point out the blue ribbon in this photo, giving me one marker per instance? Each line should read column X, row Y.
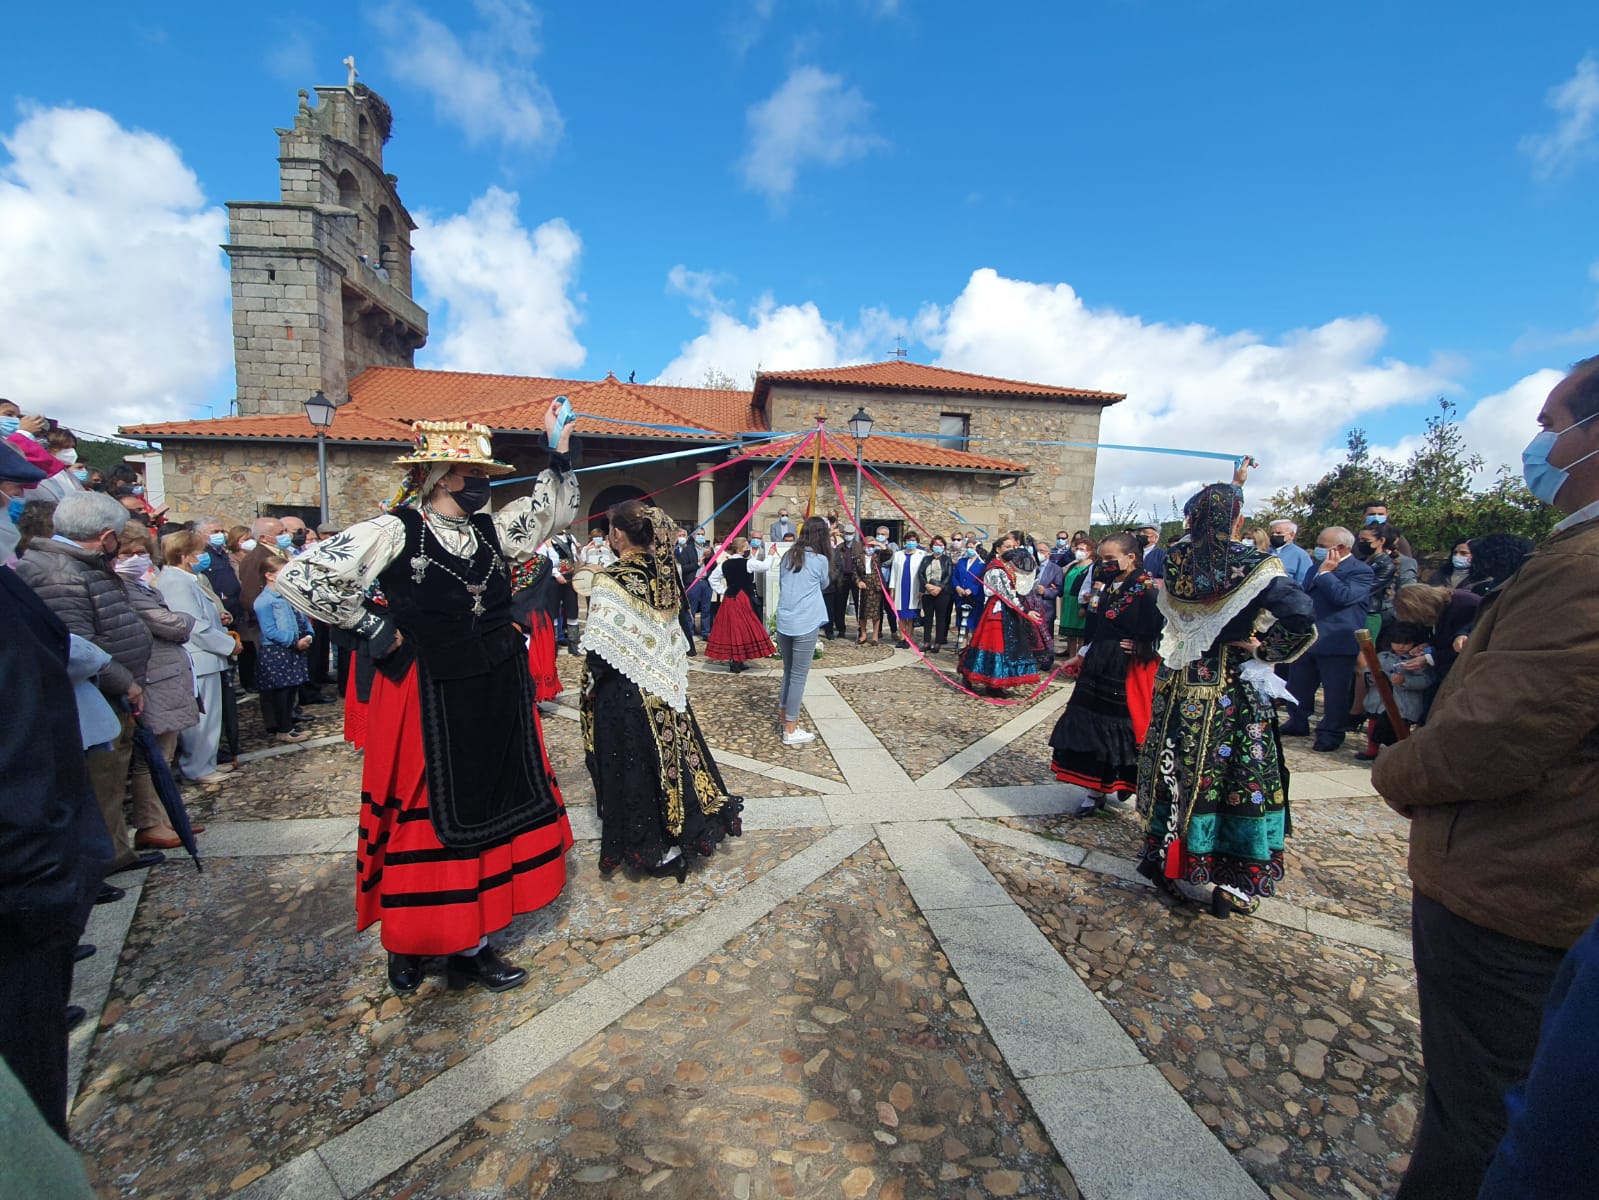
column 1235, row 459
column 692, row 452
column 982, row 531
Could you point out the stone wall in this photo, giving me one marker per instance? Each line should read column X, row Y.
column 241, row 481
column 1058, row 493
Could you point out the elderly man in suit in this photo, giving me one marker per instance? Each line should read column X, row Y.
column 1339, row 588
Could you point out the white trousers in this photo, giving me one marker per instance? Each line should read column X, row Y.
column 197, row 745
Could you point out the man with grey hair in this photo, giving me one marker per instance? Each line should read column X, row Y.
column 1338, row 588
column 71, row 573
column 1296, row 562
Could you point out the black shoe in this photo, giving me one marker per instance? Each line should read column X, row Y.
column 693, row 653
column 902, row 644
column 485, row 967
column 145, row 858
column 83, row 951
column 1326, row 745
column 677, row 867
column 737, row 667
column 405, row 973
column 109, row 894
column 75, row 1017
column 1294, row 730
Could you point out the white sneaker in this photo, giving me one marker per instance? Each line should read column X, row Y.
column 798, row 738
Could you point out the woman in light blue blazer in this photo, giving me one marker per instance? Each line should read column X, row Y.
column 209, row 646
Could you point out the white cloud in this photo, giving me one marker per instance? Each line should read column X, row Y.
column 1286, row 401
column 812, row 119
column 499, row 292
column 777, row 337
column 486, row 84
column 113, row 292
column 698, row 286
column 1575, row 137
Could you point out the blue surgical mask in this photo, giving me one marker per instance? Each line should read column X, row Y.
column 81, row 474
column 1060, row 541
column 218, row 540
column 755, row 543
column 285, row 541
column 699, row 539
column 938, row 550
column 9, row 425
column 203, row 563
column 1319, row 554
column 1543, row 480
column 15, row 508
column 911, row 545
column 1460, row 561
column 138, row 489
column 1373, row 519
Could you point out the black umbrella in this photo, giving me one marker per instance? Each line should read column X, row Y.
column 166, row 788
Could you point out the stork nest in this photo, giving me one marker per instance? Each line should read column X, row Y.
column 382, row 114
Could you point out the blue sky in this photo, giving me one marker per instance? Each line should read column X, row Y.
column 1155, row 198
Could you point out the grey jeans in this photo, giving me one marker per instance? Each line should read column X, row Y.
column 797, row 653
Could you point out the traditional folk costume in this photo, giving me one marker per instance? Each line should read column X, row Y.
column 462, row 825
column 738, row 635
column 1096, row 740
column 905, row 583
column 1007, row 648
column 660, row 797
column 1211, row 779
column 535, row 598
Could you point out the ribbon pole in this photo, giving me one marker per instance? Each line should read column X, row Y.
column 771, row 487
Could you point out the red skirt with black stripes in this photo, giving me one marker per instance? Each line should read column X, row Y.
column 430, row 899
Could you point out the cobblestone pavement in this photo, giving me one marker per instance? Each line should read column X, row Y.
column 249, row 1021
column 788, row 1023
column 1303, row 1056
column 921, row 719
column 857, row 1068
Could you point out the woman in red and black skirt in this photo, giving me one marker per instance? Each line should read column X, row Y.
column 1096, row 739
column 738, row 634
column 462, row 825
column 534, row 600
column 1008, row 647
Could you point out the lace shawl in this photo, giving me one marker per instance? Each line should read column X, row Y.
column 641, row 640
column 1192, row 626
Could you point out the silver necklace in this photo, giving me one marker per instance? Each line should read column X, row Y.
column 421, row 563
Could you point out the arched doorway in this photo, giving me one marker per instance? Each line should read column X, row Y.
column 608, row 499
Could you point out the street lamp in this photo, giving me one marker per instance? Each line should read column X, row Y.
column 860, row 428
column 319, row 409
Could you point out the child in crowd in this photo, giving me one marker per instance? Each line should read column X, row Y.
column 281, row 668
column 1408, row 664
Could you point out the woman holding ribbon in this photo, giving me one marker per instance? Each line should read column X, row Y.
column 1211, row 779
column 462, row 825
column 660, row 797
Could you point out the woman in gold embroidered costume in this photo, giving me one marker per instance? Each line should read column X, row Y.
column 660, row 797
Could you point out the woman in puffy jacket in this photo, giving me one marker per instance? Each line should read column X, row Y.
column 169, row 705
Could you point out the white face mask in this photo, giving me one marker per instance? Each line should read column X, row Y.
column 135, row 568
column 247, row 545
column 68, row 457
column 1079, row 554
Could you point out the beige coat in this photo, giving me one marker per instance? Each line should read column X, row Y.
column 1502, row 783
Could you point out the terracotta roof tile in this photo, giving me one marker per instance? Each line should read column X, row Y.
column 910, row 376
column 350, row 425
column 881, row 450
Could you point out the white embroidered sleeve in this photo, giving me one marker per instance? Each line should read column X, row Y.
column 524, row 523
column 329, row 581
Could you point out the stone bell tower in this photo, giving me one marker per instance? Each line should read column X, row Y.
column 322, row 277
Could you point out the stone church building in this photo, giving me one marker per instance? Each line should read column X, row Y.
column 322, row 302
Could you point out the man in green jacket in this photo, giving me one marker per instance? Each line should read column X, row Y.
column 1502, row 790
